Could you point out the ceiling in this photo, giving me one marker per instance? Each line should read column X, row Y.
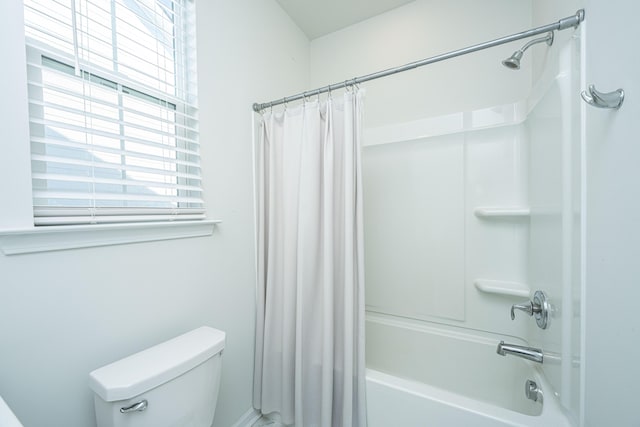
column 319, row 17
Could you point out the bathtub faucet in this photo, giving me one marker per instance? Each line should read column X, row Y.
column 529, row 353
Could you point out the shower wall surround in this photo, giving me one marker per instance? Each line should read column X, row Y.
column 461, row 225
column 442, row 244
column 556, row 219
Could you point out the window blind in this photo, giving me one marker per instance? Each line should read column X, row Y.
column 113, row 116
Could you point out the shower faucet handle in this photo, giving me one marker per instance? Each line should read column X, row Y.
column 527, row 307
column 539, row 308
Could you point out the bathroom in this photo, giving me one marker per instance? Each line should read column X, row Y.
column 67, row 310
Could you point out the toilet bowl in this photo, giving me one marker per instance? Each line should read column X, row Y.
column 173, row 384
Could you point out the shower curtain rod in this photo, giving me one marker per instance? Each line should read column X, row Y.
column 568, row 22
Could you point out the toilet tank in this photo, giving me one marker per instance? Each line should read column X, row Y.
column 173, row 384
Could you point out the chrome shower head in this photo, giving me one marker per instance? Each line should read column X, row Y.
column 513, row 62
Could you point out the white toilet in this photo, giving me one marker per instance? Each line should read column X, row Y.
column 173, row 384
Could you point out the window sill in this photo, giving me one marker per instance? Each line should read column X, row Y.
column 58, row 238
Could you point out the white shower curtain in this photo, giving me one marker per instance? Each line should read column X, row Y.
column 309, row 360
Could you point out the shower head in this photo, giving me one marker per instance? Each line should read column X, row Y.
column 513, row 62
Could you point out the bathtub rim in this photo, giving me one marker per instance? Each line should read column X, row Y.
column 552, row 412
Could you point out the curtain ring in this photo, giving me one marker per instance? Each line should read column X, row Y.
column 318, row 95
column 284, row 101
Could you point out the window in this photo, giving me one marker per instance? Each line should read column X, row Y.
column 112, row 110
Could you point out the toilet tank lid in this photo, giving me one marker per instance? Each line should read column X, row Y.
column 154, row 366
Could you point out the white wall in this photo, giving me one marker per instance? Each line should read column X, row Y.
column 63, row 314
column 612, row 332
column 422, row 29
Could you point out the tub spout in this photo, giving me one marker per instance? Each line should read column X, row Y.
column 529, row 353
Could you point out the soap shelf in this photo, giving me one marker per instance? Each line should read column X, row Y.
column 501, row 287
column 501, row 212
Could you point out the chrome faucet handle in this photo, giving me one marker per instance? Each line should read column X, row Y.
column 539, row 307
column 527, row 307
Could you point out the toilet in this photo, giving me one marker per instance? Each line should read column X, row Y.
column 173, row 384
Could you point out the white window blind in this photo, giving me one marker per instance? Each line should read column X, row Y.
column 113, row 117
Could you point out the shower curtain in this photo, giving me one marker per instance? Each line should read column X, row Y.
column 309, row 354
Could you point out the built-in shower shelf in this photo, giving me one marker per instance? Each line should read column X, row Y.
column 501, row 287
column 502, row 212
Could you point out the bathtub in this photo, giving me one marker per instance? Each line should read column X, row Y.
column 423, row 375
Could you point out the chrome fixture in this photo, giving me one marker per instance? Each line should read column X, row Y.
column 529, row 353
column 532, row 391
column 612, row 100
column 136, row 407
column 513, row 61
column 539, row 308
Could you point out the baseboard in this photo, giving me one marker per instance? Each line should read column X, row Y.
column 249, row 417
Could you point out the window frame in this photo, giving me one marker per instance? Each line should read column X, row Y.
column 164, row 175
column 18, row 234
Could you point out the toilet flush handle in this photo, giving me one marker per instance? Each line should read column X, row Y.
column 136, row 407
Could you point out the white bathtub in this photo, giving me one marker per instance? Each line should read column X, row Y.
column 433, row 376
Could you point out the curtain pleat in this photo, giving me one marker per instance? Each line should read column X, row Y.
column 309, row 361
